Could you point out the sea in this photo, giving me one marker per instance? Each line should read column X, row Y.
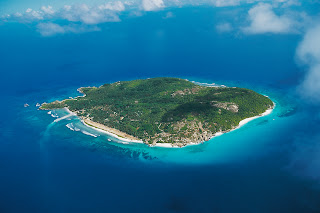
column 271, row 164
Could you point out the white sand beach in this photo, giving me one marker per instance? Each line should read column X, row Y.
column 128, row 138
column 241, row 123
column 110, row 131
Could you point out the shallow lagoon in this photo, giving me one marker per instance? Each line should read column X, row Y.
column 221, row 148
column 65, row 166
column 268, row 165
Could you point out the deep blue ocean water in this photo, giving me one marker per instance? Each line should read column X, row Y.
column 269, row 165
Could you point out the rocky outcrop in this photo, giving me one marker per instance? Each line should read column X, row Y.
column 193, row 90
column 226, row 105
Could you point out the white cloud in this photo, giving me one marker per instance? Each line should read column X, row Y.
column 29, row 15
column 309, row 49
column 90, row 15
column 225, row 3
column 290, row 3
column 82, row 18
column 308, row 53
column 108, row 12
column 264, row 20
column 224, row 27
column 262, row 17
column 51, row 29
column 116, row 6
column 18, row 14
column 151, row 5
column 286, row 3
column 230, row 3
column 67, row 7
column 47, row 10
column 169, row 15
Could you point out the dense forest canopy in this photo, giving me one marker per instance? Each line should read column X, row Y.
column 166, row 109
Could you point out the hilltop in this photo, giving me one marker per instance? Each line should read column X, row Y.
column 164, row 110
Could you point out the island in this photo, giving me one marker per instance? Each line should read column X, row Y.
column 163, row 110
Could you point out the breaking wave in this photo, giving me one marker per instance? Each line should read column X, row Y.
column 70, row 126
column 88, row 133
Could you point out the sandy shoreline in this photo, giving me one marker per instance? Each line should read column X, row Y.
column 128, row 138
column 110, row 131
column 241, row 123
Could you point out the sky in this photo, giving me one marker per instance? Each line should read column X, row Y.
column 253, row 17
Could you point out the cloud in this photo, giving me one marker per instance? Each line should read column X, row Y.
column 28, row 16
column 115, row 6
column 286, row 3
column 108, row 12
column 309, row 49
column 91, row 15
column 262, row 17
column 225, row 3
column 224, row 27
column 230, row 3
column 290, row 3
column 47, row 17
column 264, row 20
column 152, row 5
column 308, row 53
column 48, row 10
column 168, row 15
column 51, row 29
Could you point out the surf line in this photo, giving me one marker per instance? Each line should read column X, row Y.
column 65, row 117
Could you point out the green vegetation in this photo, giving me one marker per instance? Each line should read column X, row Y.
column 166, row 109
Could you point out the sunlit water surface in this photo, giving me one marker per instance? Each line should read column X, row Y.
column 268, row 165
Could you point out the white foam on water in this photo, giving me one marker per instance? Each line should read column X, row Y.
column 207, row 84
column 73, row 128
column 54, row 115
column 88, row 133
column 70, row 126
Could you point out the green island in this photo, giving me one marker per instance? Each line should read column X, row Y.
column 164, row 110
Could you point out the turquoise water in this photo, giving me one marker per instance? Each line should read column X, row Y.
column 269, row 165
column 58, row 165
column 253, row 140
